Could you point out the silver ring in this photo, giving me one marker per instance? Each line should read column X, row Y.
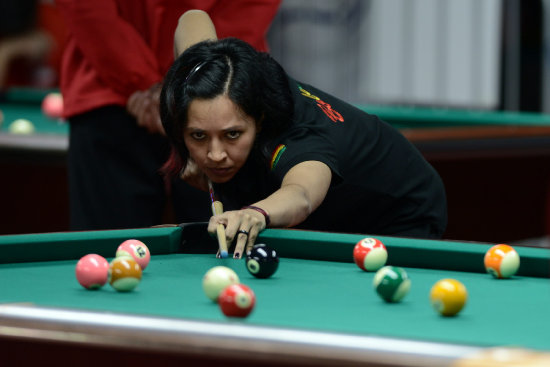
column 243, row 232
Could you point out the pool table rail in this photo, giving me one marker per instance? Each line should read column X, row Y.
column 405, row 252
column 292, row 243
column 73, row 245
column 64, row 330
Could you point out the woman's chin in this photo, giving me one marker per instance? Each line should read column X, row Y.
column 220, row 179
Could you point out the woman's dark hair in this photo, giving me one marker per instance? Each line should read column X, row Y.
column 253, row 80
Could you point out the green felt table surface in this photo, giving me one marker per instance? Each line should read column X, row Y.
column 311, row 294
column 317, row 286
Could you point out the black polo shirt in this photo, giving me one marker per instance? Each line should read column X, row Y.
column 381, row 184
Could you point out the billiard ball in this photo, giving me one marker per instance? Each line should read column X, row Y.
column 237, row 300
column 391, row 283
column 136, row 249
column 262, row 261
column 448, row 296
column 370, row 254
column 501, row 261
column 217, row 279
column 21, row 126
column 52, row 105
column 92, row 271
column 124, row 273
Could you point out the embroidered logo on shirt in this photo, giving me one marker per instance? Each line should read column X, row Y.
column 327, row 109
column 276, row 155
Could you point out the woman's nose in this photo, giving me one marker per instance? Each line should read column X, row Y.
column 216, row 151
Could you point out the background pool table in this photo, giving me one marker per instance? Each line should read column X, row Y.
column 34, row 174
column 495, row 166
column 318, row 309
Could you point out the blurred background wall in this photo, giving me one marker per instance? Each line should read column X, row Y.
column 487, row 54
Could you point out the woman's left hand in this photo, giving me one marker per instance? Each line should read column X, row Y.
column 242, row 228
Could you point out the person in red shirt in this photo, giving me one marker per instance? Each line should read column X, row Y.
column 115, row 57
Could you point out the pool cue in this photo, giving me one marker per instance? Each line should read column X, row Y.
column 217, row 208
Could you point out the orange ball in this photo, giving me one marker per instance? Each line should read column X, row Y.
column 124, row 273
column 501, row 261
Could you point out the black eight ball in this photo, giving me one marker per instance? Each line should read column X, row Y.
column 262, row 261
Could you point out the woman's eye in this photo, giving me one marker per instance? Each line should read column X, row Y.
column 233, row 134
column 197, row 135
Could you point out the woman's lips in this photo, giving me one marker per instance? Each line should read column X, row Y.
column 220, row 172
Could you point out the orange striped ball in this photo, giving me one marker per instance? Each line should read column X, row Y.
column 501, row 261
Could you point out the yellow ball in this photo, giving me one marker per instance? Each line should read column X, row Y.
column 448, row 296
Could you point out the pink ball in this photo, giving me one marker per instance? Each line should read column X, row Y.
column 136, row 249
column 52, row 105
column 92, row 271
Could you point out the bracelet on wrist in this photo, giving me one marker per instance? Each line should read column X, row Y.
column 259, row 210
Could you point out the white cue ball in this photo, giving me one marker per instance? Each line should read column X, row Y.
column 216, row 280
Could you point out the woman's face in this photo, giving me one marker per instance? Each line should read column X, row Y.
column 219, row 137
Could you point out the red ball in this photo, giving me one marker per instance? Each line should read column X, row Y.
column 92, row 271
column 370, row 254
column 135, row 249
column 52, row 105
column 237, row 300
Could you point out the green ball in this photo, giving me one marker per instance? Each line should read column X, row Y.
column 391, row 283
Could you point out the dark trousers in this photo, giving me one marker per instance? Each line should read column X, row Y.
column 114, row 178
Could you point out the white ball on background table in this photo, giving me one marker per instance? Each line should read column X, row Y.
column 21, row 126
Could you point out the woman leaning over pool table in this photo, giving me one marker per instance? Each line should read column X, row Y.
column 297, row 155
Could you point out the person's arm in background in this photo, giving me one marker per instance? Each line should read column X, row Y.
column 193, row 27
column 122, row 59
